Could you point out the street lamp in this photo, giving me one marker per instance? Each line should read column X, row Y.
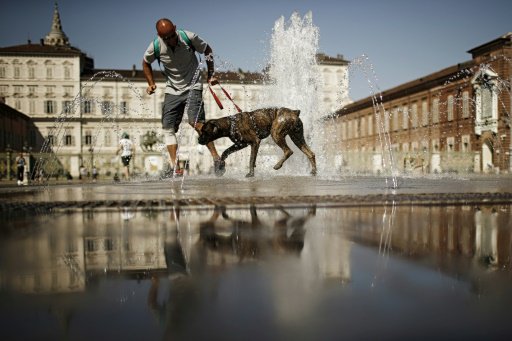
column 26, row 151
column 91, row 150
column 9, row 154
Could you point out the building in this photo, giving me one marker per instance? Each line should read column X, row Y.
column 81, row 112
column 455, row 120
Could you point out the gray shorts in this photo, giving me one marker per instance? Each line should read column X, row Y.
column 174, row 108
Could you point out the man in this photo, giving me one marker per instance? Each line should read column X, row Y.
column 127, row 150
column 183, row 87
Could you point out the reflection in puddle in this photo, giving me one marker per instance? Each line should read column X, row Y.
column 279, row 272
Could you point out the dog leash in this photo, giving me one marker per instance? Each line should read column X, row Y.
column 217, row 100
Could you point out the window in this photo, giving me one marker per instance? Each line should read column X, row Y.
column 486, row 106
column 107, row 138
column 88, row 138
column 18, row 90
column 394, row 113
column 3, row 90
column 50, row 140
column 87, row 107
column 106, row 107
column 449, row 108
column 49, row 73
column 49, row 107
column 435, row 145
column 387, row 118
column 424, row 113
column 67, row 107
column 405, row 117
column 124, row 107
column 435, row 110
column 16, row 72
column 31, row 90
column 17, row 104
column 414, row 114
column 31, row 72
column 450, row 144
column 50, row 91
column 370, row 124
column 465, row 104
column 67, row 72
column 68, row 91
column 2, row 71
column 68, row 140
column 31, row 106
column 465, row 146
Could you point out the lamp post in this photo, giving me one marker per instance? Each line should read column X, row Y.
column 9, row 154
column 91, row 150
column 26, row 154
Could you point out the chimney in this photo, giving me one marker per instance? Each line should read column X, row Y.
column 41, row 41
column 134, row 70
column 29, row 41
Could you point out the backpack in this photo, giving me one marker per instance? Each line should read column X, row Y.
column 183, row 35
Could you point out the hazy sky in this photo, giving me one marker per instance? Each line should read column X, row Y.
column 403, row 39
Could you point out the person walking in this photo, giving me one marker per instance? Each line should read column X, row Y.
column 20, row 162
column 175, row 51
column 127, row 150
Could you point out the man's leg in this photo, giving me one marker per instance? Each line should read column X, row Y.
column 172, row 112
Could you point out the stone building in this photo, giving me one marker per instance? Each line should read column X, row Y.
column 81, row 111
column 454, row 120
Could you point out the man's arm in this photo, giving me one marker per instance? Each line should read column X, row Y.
column 211, row 79
column 148, row 74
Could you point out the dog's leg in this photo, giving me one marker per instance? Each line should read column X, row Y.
column 280, row 140
column 232, row 149
column 252, row 163
column 297, row 136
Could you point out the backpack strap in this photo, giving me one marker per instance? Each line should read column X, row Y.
column 185, row 38
column 156, row 48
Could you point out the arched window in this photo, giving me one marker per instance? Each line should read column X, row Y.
column 486, row 101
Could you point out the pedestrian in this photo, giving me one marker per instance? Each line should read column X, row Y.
column 94, row 174
column 20, row 162
column 83, row 173
column 175, row 51
column 127, row 149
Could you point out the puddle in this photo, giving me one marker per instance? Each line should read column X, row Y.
column 270, row 272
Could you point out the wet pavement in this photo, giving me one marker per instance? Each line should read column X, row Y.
column 261, row 190
column 266, row 258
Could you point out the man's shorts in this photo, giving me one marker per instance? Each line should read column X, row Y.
column 126, row 160
column 174, row 108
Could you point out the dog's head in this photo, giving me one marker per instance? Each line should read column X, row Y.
column 208, row 132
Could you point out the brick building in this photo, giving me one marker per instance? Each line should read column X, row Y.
column 455, row 120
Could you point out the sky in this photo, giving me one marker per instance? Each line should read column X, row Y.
column 402, row 39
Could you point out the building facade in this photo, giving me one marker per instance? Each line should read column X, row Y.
column 455, row 120
column 81, row 111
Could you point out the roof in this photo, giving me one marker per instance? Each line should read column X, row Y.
column 420, row 84
column 504, row 40
column 40, row 50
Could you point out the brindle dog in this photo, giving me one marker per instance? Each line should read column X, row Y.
column 249, row 128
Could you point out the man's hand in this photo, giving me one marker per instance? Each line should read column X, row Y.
column 213, row 80
column 151, row 89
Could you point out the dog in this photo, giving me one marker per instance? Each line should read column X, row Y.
column 249, row 128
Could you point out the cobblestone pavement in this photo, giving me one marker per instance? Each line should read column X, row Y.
column 290, row 190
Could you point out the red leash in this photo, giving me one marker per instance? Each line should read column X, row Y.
column 227, row 95
column 215, row 97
